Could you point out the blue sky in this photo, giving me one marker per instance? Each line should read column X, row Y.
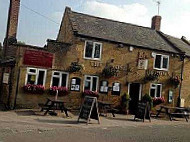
column 34, row 29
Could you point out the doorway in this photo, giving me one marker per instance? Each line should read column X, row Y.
column 134, row 90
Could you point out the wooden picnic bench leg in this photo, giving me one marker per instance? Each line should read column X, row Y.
column 49, row 108
column 158, row 112
column 186, row 118
column 63, row 108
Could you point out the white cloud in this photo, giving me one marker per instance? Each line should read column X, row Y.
column 178, row 26
column 132, row 13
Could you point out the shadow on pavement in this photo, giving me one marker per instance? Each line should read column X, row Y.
column 58, row 121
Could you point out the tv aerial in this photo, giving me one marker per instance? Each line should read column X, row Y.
column 158, row 4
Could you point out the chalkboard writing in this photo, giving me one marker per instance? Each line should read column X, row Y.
column 143, row 111
column 89, row 109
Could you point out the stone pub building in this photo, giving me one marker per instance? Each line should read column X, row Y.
column 96, row 54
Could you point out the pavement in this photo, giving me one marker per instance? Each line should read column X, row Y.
column 31, row 125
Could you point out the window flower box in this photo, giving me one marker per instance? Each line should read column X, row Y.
column 34, row 89
column 90, row 93
column 62, row 91
column 158, row 101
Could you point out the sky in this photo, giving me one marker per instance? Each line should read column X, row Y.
column 35, row 29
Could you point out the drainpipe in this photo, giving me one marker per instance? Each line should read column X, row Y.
column 182, row 58
column 17, row 87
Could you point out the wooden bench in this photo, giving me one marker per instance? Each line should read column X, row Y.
column 52, row 105
column 179, row 115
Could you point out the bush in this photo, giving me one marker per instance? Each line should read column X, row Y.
column 147, row 98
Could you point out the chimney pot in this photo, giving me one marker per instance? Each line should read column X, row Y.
column 156, row 22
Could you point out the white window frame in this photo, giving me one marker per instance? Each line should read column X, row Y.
column 156, row 84
column 37, row 75
column 93, row 50
column 91, row 82
column 162, row 56
column 60, row 78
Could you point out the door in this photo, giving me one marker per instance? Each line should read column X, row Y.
column 135, row 95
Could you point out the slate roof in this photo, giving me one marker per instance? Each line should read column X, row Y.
column 179, row 43
column 120, row 32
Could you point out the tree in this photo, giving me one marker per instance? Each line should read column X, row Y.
column 1, row 51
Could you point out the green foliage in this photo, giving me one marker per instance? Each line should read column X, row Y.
column 125, row 100
column 147, row 98
column 21, row 42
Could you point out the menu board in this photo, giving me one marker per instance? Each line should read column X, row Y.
column 89, row 109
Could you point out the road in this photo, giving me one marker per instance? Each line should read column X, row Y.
column 36, row 128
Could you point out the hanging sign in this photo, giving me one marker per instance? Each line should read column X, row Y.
column 38, row 58
column 89, row 109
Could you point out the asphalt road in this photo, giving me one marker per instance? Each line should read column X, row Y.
column 19, row 128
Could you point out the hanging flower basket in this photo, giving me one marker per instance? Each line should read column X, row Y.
column 62, row 91
column 175, row 81
column 75, row 67
column 151, row 77
column 34, row 89
column 158, row 101
column 109, row 71
column 90, row 93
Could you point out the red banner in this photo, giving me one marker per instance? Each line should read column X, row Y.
column 38, row 58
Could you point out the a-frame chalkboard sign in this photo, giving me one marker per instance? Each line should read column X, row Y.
column 143, row 111
column 89, row 109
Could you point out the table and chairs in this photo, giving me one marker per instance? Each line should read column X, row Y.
column 52, row 105
column 105, row 107
column 173, row 112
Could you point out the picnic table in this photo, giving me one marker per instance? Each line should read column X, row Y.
column 52, row 105
column 173, row 112
column 105, row 107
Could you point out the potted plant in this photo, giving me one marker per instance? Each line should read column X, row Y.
column 125, row 103
column 147, row 99
column 34, row 89
column 62, row 91
column 90, row 93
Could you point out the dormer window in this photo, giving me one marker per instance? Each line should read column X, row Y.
column 92, row 50
column 161, row 62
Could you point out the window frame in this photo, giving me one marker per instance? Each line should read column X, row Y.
column 155, row 94
column 60, row 78
column 161, row 64
column 37, row 75
column 93, row 50
column 91, row 81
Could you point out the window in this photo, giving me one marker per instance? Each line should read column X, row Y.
column 155, row 90
column 75, row 84
column 116, row 88
column 161, row 62
column 104, row 87
column 59, row 79
column 35, row 76
column 92, row 50
column 91, row 83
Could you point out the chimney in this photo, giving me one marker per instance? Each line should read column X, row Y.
column 12, row 22
column 156, row 22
